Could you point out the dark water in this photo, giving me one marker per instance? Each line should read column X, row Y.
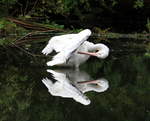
column 24, row 97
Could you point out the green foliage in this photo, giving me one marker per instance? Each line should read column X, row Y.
column 70, row 4
column 114, row 2
column 5, row 5
column 53, row 6
column 138, row 4
column 5, row 24
column 147, row 54
column 84, row 11
column 52, row 25
column 148, row 25
column 5, row 41
column 10, row 2
column 10, row 31
column 5, row 28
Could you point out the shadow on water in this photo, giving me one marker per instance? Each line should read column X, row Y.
column 24, row 97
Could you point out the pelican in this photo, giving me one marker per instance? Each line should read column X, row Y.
column 73, row 84
column 73, row 49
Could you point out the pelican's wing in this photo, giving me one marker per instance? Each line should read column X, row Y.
column 67, row 51
column 56, row 88
column 48, row 83
column 61, row 42
column 64, row 88
column 58, row 43
column 58, row 75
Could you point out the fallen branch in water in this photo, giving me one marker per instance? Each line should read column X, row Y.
column 23, row 50
column 29, row 36
column 33, row 26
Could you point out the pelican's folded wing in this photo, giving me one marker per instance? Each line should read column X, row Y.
column 66, row 53
column 48, row 83
column 58, row 43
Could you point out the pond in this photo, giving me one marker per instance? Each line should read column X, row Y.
column 114, row 89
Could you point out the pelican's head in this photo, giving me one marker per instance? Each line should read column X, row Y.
column 102, row 52
column 86, row 32
column 99, row 85
column 103, row 85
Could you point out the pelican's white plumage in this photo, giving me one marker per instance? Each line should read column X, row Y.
column 63, row 87
column 84, row 82
column 73, row 49
column 73, row 84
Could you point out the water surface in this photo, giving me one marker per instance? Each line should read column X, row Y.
column 24, row 97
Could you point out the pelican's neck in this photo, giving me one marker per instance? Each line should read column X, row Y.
column 100, row 47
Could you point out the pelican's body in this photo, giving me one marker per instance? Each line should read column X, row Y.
column 73, row 49
column 81, row 54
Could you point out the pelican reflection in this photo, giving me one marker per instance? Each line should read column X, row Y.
column 73, row 84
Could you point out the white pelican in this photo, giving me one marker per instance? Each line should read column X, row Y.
column 73, row 49
column 73, row 84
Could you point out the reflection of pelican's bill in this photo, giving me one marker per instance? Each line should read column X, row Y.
column 88, row 82
column 65, row 89
column 99, row 85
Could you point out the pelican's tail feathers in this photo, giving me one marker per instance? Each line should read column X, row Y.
column 54, row 62
column 57, row 60
column 48, row 83
column 47, row 50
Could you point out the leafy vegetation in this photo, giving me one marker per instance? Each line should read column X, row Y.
column 10, row 32
column 139, row 4
column 108, row 17
column 81, row 13
column 148, row 25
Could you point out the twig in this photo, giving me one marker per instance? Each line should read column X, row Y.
column 30, row 33
column 20, row 6
column 33, row 25
column 28, row 40
column 27, row 52
column 33, row 6
column 23, row 50
column 23, row 37
column 25, row 10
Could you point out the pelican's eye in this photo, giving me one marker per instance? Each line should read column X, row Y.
column 96, row 51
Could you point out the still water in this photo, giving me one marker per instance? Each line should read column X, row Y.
column 114, row 89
